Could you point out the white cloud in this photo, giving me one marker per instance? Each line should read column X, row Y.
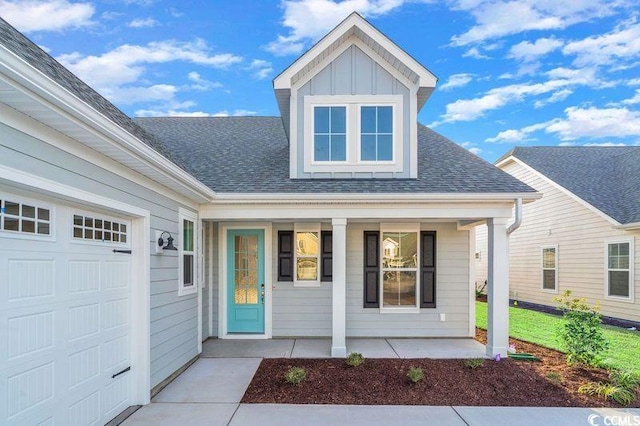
column 559, row 86
column 527, row 52
column 128, row 95
column 46, row 15
column 515, row 135
column 200, row 84
column 125, row 64
column 143, row 23
column 498, row 18
column 634, row 82
column 170, row 113
column 456, row 80
column 634, row 100
column 235, row 113
column 261, row 69
column 474, row 52
column 309, row 20
column 619, row 46
column 596, row 123
column 558, row 96
column 475, row 150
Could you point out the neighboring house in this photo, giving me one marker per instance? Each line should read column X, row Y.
column 583, row 234
column 277, row 224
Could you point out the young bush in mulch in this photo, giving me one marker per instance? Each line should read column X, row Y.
column 446, row 382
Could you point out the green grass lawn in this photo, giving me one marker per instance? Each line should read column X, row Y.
column 540, row 328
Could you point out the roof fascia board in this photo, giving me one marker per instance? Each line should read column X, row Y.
column 57, row 98
column 372, row 198
column 629, row 226
column 559, row 187
column 283, row 81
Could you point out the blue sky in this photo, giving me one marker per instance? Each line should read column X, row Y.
column 513, row 72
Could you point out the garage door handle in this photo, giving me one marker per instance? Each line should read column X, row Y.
column 121, row 372
column 122, row 251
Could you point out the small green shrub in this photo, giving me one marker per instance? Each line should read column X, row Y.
column 608, row 391
column 555, row 378
column 474, row 363
column 415, row 374
column 580, row 331
column 295, row 375
column 355, row 359
column 624, row 379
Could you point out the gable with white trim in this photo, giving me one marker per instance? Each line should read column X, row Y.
column 350, row 106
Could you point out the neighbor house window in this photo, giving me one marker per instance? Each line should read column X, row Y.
column 399, row 268
column 620, row 269
column 330, row 133
column 24, row 218
column 187, row 253
column 550, row 268
column 376, row 133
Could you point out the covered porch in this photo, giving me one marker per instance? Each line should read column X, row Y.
column 330, row 318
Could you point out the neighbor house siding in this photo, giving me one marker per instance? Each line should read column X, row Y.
column 211, row 276
column 354, row 73
column 307, row 311
column 580, row 234
column 206, row 284
column 173, row 319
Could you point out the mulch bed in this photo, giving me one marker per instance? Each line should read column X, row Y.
column 447, row 382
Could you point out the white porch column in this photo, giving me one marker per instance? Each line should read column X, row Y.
column 498, row 292
column 339, row 296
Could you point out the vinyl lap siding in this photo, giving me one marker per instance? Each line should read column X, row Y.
column 580, row 234
column 299, row 311
column 173, row 318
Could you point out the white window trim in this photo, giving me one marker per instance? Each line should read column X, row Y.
column 192, row 217
column 630, row 241
column 542, row 268
column 353, row 104
column 400, row 227
column 306, row 227
column 19, row 235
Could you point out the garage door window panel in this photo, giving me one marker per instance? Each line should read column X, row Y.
column 21, row 217
column 99, row 229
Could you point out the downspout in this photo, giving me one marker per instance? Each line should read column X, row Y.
column 516, row 224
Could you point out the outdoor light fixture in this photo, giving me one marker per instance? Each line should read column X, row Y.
column 161, row 242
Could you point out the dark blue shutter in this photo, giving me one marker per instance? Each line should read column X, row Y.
column 371, row 269
column 428, row 269
column 285, row 255
column 326, row 256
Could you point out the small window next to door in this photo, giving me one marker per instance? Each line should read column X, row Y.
column 187, row 261
column 550, row 268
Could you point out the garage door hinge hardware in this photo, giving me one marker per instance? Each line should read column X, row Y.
column 121, row 372
column 122, row 251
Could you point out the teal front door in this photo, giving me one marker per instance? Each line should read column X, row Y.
column 245, row 282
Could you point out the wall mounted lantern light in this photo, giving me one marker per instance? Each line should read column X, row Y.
column 164, row 244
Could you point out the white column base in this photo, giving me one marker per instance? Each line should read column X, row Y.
column 338, row 352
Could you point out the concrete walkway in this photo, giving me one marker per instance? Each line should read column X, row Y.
column 209, row 393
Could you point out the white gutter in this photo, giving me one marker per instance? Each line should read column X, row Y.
column 518, row 221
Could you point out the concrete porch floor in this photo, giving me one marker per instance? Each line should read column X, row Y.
column 321, row 348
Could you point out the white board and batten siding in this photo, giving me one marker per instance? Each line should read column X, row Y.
column 173, row 319
column 580, row 234
column 304, row 311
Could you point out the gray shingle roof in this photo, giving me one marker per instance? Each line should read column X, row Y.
column 24, row 48
column 251, row 155
column 608, row 178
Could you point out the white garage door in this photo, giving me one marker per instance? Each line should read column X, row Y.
column 64, row 314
